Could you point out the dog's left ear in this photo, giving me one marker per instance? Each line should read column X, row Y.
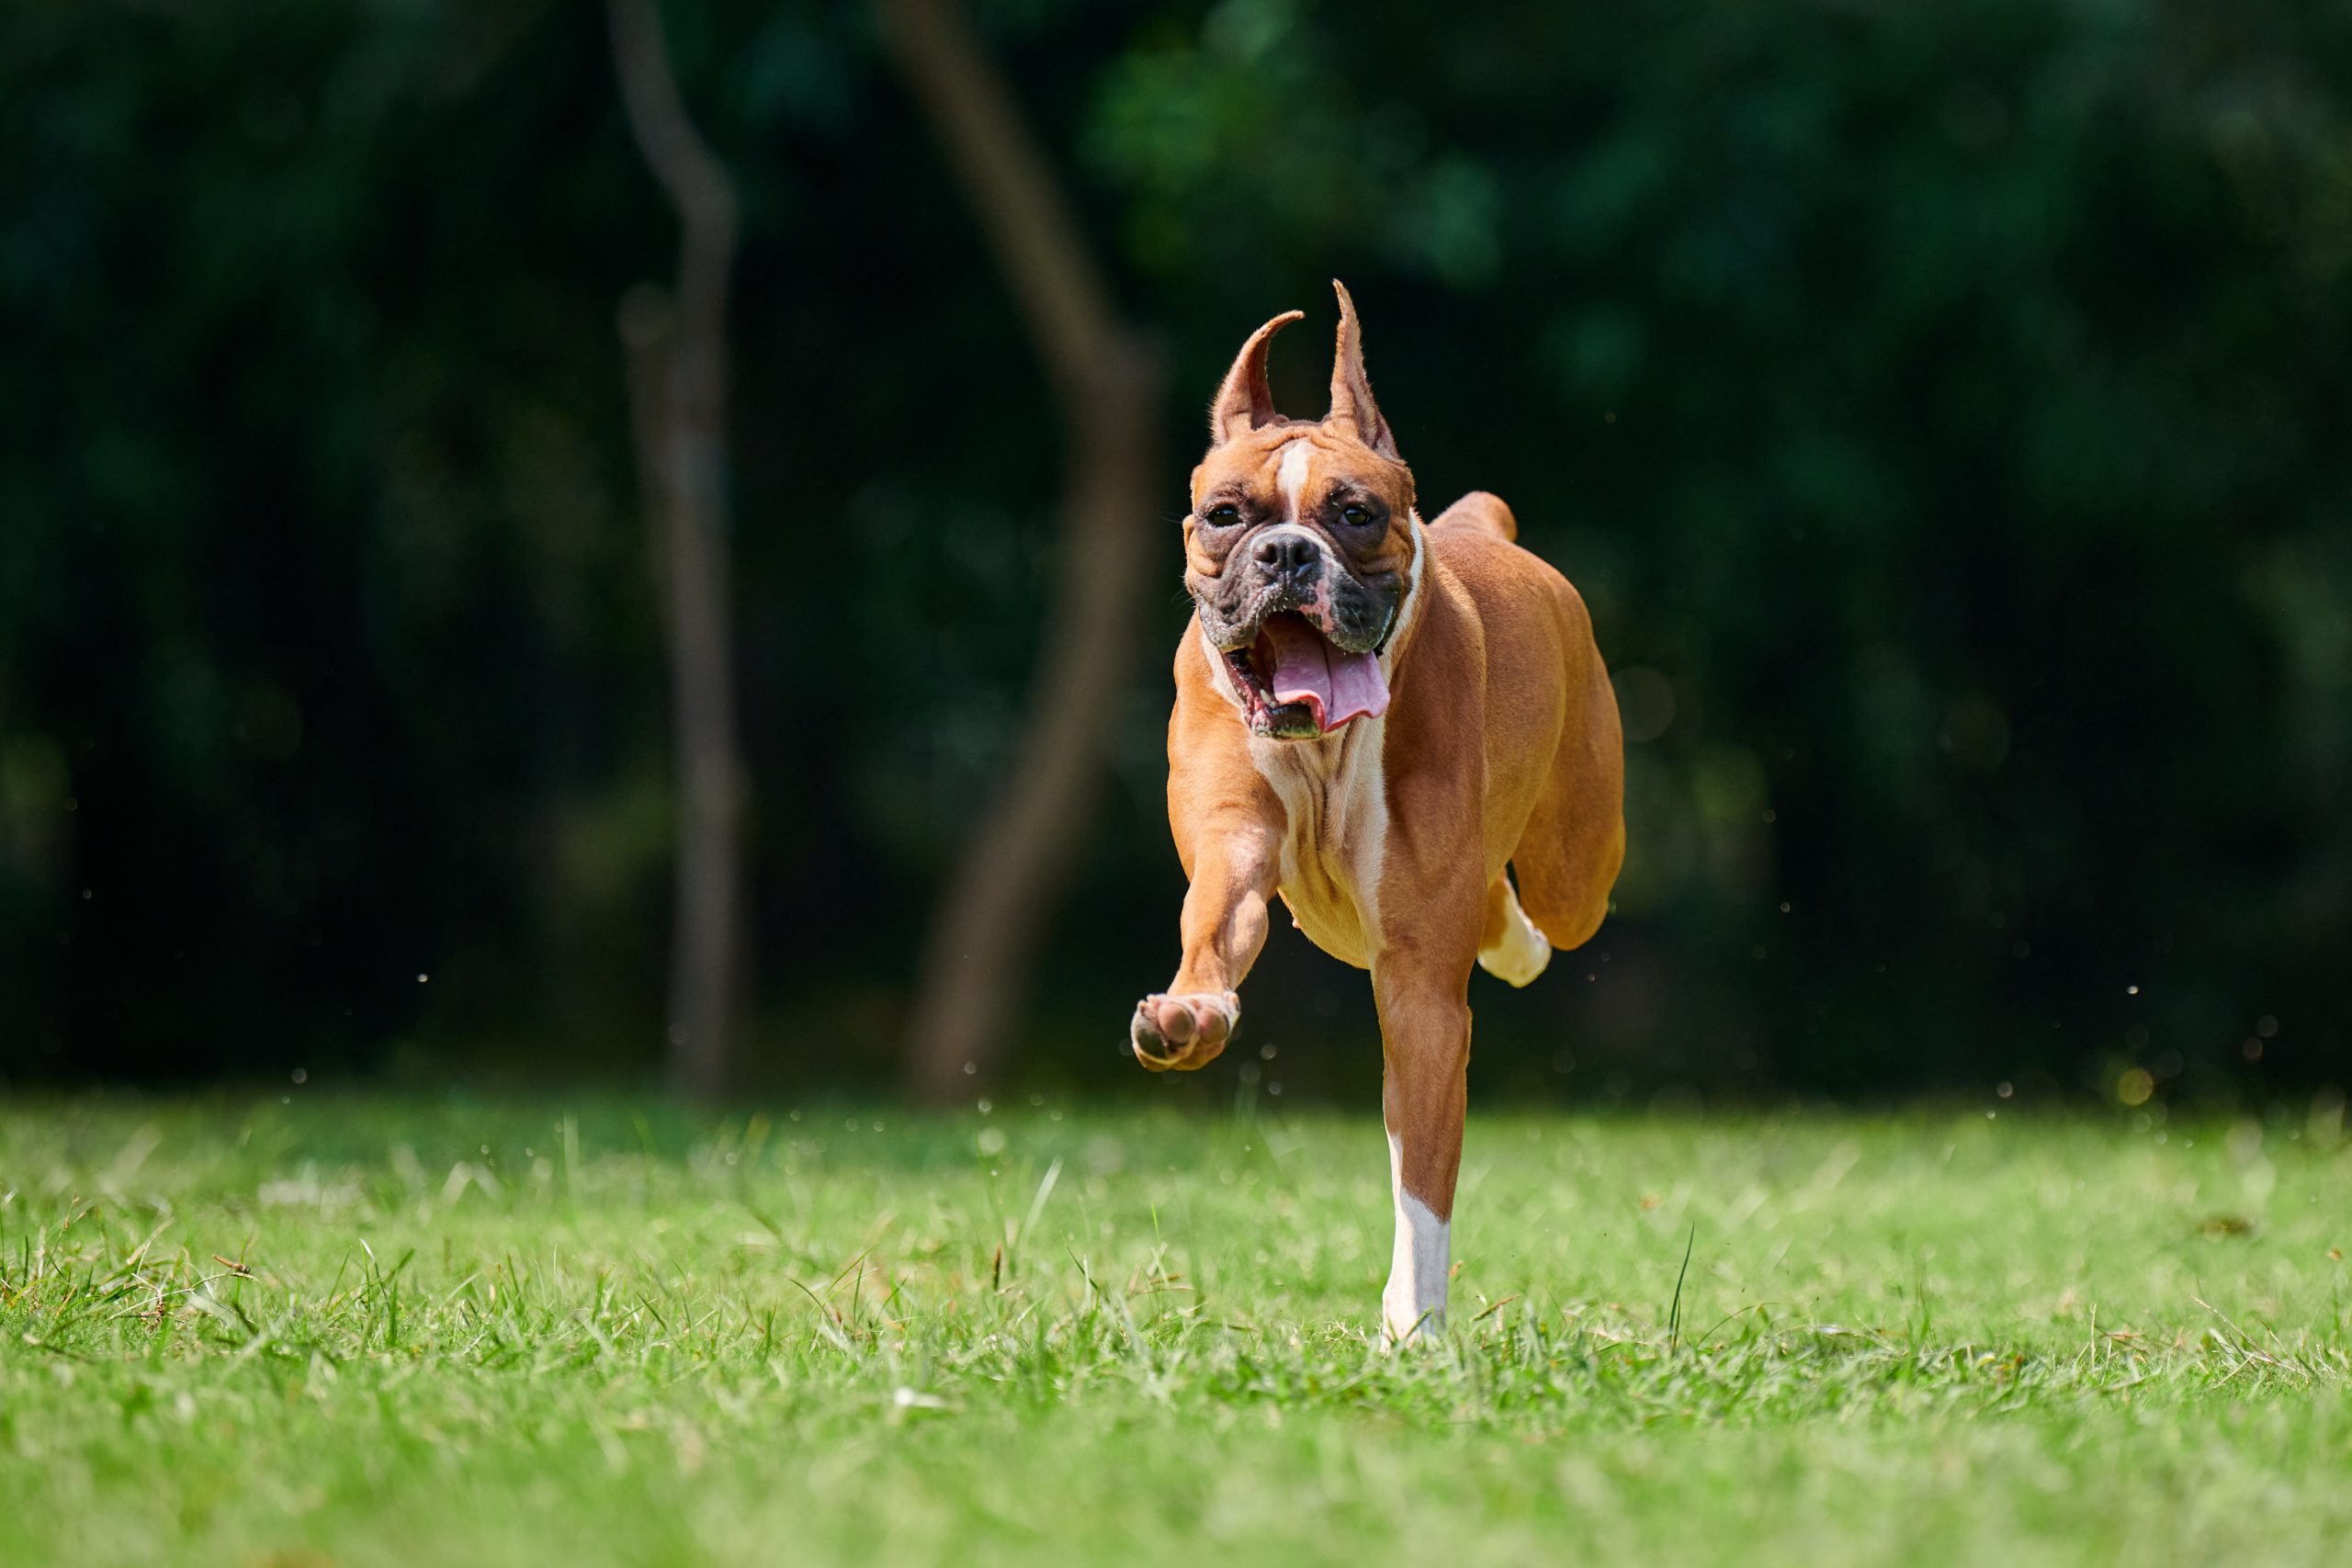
column 1244, row 402
column 1352, row 404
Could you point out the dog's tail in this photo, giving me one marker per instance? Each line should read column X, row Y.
column 1481, row 510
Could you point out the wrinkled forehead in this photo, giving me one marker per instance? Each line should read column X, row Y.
column 1295, row 463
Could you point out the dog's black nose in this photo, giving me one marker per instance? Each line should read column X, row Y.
column 1291, row 556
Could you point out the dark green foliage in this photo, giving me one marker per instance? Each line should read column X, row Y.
column 1944, row 410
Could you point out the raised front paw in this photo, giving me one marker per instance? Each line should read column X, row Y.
column 1185, row 1031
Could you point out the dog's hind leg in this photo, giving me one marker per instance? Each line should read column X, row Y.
column 1510, row 947
column 1574, row 843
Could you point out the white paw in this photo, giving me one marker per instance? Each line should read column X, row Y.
column 1523, row 953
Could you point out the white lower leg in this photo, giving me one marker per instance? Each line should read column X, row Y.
column 1414, row 1300
column 1522, row 951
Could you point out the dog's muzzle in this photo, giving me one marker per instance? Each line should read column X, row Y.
column 1301, row 636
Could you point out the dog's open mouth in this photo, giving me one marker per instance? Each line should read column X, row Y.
column 1295, row 681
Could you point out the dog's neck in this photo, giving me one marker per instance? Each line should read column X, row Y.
column 1408, row 607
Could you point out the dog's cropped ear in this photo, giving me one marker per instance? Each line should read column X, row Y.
column 1352, row 404
column 1244, row 402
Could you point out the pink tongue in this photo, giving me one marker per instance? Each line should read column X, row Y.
column 1306, row 669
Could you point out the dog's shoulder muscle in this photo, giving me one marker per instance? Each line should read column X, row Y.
column 1213, row 785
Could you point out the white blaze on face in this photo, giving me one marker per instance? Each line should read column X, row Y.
column 1290, row 477
column 1414, row 1301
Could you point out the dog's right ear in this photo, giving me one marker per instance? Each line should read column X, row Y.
column 1244, row 402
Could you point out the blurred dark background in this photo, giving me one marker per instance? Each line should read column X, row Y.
column 1945, row 411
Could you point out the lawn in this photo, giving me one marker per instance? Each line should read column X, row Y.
column 343, row 1330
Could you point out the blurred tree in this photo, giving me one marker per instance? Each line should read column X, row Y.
column 990, row 925
column 677, row 371
column 1942, row 409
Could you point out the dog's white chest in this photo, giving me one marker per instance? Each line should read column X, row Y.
column 1335, row 804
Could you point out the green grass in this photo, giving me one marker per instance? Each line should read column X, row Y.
column 399, row 1331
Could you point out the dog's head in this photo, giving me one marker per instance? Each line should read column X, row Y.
column 1302, row 550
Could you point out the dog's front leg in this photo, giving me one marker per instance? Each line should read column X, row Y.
column 1234, row 862
column 1425, row 1039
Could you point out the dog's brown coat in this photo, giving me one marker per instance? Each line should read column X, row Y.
column 1500, row 746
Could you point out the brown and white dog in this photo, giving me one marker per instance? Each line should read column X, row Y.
column 1372, row 717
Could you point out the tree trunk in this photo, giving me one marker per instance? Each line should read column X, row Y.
column 678, row 373
column 1111, row 388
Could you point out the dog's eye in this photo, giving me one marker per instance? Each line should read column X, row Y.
column 1223, row 516
column 1356, row 514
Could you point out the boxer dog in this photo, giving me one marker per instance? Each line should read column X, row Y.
column 1374, row 717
